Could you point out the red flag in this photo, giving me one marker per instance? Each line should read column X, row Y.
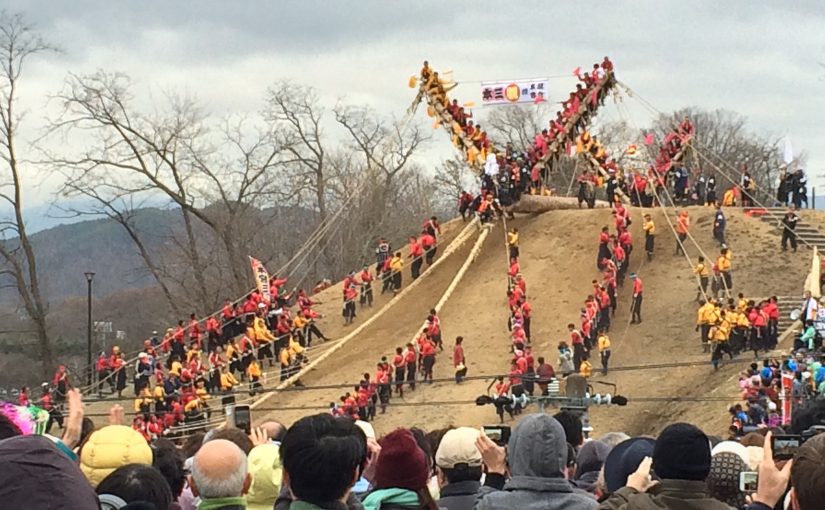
column 577, row 72
column 539, row 100
column 649, row 139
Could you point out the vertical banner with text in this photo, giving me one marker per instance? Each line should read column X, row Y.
column 261, row 279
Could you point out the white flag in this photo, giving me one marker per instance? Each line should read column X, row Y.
column 787, row 155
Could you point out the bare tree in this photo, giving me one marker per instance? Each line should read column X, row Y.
column 451, row 178
column 724, row 143
column 517, row 124
column 19, row 42
column 216, row 175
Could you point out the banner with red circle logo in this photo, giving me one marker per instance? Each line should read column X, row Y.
column 535, row 90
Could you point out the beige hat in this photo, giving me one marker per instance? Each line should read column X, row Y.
column 458, row 446
column 366, row 427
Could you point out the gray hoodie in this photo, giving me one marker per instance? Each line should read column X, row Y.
column 537, row 455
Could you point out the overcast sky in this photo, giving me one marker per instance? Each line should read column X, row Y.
column 759, row 58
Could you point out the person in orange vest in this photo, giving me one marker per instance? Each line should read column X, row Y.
column 366, row 286
column 429, row 245
column 410, row 357
column 399, row 365
column 459, row 361
column 350, row 295
column 428, row 360
column 382, row 382
column 682, row 226
column 636, row 307
column 434, row 329
column 501, row 398
column 417, row 256
column 485, row 209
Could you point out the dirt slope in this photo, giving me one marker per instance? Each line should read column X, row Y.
column 558, row 262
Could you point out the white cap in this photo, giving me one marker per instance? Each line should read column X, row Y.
column 366, row 427
column 458, row 446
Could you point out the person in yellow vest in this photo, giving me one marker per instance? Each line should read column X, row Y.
column 703, row 272
column 604, row 350
column 742, row 303
column 175, row 366
column 193, row 353
column 299, row 323
column 682, row 226
column 704, row 315
column 263, row 337
column 396, row 266
column 741, row 326
column 159, row 395
column 512, row 243
column 724, row 266
column 720, row 334
column 586, row 368
column 253, row 372
column 228, row 381
column 650, row 236
column 729, row 197
column 143, row 403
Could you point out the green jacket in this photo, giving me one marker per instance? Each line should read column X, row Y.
column 238, row 503
column 665, row 495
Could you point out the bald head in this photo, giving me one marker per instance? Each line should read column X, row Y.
column 275, row 431
column 219, row 470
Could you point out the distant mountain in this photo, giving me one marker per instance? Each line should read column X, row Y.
column 65, row 252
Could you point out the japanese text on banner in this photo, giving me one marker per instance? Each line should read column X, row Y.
column 514, row 91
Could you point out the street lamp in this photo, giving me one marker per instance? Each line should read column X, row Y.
column 89, row 277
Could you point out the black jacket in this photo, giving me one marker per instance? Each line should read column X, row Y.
column 459, row 495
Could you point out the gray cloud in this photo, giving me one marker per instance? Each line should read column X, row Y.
column 757, row 58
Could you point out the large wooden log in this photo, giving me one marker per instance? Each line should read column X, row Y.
column 535, row 204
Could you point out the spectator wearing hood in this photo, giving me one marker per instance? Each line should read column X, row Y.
column 265, row 470
column 111, row 447
column 537, row 454
column 681, row 460
column 589, row 462
column 401, row 475
column 36, row 475
column 458, row 468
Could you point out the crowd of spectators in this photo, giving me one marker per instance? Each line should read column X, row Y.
column 336, row 463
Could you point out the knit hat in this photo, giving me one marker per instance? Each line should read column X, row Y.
column 682, row 452
column 111, row 447
column 624, row 459
column 591, row 457
column 723, row 480
column 401, row 463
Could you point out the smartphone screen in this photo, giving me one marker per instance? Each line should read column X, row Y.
column 499, row 434
column 243, row 418
column 748, row 481
column 493, row 433
column 785, row 447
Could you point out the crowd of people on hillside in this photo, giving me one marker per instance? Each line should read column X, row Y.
column 326, row 462
column 177, row 378
column 793, row 379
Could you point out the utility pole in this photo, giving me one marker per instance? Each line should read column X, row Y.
column 89, row 277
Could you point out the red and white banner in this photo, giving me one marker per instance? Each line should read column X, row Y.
column 786, row 397
column 515, row 91
column 261, row 279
